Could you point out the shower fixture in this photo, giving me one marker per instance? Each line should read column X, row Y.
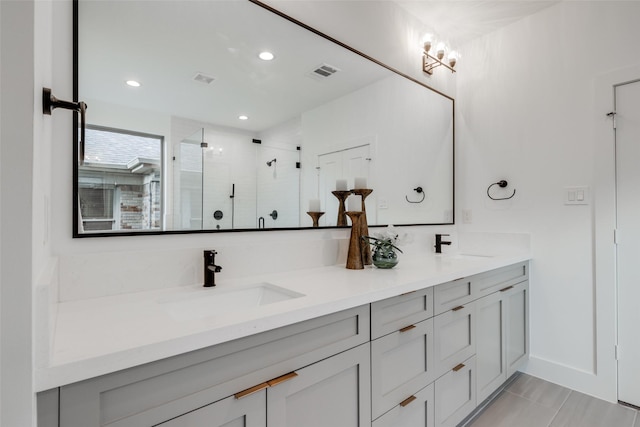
column 270, row 162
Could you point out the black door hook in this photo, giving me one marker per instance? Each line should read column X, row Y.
column 50, row 102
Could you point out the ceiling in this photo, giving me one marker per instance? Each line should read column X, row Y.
column 460, row 21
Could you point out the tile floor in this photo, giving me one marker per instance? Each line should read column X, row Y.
column 532, row 402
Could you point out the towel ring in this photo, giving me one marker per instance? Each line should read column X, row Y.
column 418, row 190
column 501, row 184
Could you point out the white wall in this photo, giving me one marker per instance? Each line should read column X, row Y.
column 529, row 113
column 20, row 137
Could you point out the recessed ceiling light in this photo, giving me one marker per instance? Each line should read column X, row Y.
column 133, row 83
column 266, row 56
column 243, row 117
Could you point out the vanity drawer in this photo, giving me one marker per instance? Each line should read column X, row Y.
column 153, row 393
column 401, row 363
column 414, row 411
column 395, row 313
column 455, row 394
column 501, row 278
column 454, row 337
column 453, row 294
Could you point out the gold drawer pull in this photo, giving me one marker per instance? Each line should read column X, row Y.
column 407, row 401
column 254, row 389
column 286, row 377
column 460, row 307
column 408, row 293
column 407, row 328
column 506, row 289
column 458, row 367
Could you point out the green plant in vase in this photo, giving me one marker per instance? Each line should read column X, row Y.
column 384, row 250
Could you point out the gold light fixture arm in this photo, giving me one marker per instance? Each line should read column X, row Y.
column 429, row 62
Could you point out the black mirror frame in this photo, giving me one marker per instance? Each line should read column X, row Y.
column 119, row 233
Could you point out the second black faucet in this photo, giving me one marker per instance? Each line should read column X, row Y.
column 210, row 268
column 440, row 242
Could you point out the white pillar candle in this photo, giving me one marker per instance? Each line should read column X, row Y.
column 354, row 203
column 341, row 185
column 359, row 182
column 314, row 205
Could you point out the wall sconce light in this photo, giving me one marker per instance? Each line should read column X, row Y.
column 429, row 61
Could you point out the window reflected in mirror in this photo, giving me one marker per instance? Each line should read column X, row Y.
column 120, row 182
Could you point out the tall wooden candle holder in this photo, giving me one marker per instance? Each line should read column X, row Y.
column 364, row 227
column 354, row 256
column 341, row 196
column 315, row 216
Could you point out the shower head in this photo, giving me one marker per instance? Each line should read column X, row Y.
column 270, row 162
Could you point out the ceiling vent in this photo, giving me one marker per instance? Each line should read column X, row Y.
column 203, row 78
column 323, row 71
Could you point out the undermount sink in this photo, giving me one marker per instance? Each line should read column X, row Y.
column 214, row 302
column 468, row 256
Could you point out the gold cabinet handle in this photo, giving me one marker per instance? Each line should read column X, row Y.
column 408, row 293
column 458, row 367
column 506, row 289
column 286, row 377
column 254, row 389
column 460, row 307
column 407, row 328
column 407, row 401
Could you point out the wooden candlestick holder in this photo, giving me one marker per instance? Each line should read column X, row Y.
column 341, row 196
column 354, row 256
column 364, row 227
column 315, row 216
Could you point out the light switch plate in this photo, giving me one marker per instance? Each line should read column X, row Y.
column 576, row 195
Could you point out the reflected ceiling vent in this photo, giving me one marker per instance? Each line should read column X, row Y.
column 323, row 71
column 203, row 78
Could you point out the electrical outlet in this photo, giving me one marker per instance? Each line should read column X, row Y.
column 467, row 216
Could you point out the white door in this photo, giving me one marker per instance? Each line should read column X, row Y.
column 345, row 164
column 627, row 100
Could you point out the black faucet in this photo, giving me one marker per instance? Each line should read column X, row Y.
column 210, row 268
column 439, row 243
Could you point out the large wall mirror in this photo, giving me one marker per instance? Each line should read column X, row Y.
column 189, row 130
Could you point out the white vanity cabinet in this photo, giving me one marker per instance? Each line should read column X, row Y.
column 455, row 356
column 424, row 358
column 502, row 338
column 161, row 391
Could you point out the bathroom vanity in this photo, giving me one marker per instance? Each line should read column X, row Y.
column 417, row 345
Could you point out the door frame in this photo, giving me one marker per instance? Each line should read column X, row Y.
column 603, row 383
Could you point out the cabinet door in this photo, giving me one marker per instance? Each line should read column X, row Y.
column 517, row 329
column 332, row 392
column 249, row 411
column 455, row 394
column 401, row 363
column 490, row 344
column 454, row 337
column 415, row 411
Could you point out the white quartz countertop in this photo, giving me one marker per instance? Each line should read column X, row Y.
column 104, row 335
